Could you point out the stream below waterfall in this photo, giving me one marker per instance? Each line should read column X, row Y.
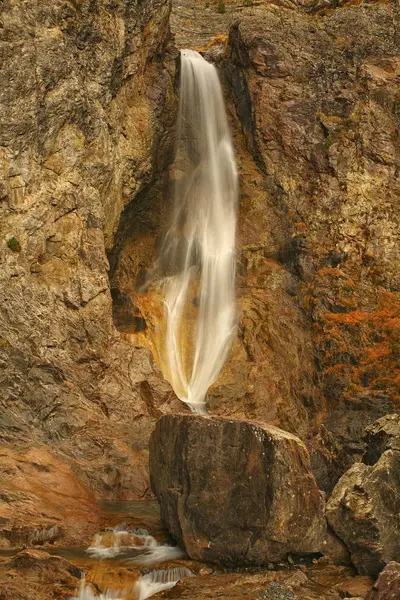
column 133, row 558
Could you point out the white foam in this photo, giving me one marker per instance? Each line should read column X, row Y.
column 157, row 581
column 119, row 542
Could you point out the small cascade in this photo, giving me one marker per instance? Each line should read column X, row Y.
column 157, row 581
column 137, row 546
column 197, row 259
column 86, row 593
column 146, row 586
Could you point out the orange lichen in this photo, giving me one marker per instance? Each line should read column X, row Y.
column 361, row 348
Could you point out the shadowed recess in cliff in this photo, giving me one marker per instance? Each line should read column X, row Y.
column 197, row 258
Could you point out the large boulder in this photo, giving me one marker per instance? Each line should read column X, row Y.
column 234, row 491
column 364, row 511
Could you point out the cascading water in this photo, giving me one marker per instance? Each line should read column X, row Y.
column 198, row 253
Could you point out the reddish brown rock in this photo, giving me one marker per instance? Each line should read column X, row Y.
column 36, row 575
column 43, row 502
column 234, row 491
column 388, row 585
column 294, row 584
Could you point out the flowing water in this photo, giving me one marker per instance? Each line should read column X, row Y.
column 198, row 253
column 197, row 263
column 125, row 550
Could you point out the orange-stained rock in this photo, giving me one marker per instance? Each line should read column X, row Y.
column 36, row 575
column 234, row 491
column 43, row 502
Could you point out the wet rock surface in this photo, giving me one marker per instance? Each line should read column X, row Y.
column 233, row 491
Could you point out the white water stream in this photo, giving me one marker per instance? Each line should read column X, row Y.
column 122, row 543
column 199, row 248
column 136, row 546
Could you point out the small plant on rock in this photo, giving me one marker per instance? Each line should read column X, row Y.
column 14, row 244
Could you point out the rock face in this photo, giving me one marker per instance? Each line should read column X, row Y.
column 388, row 585
column 315, row 92
column 383, row 435
column 87, row 99
column 235, row 491
column 43, row 502
column 364, row 508
column 36, row 575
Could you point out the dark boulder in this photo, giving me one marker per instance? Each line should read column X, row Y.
column 234, row 491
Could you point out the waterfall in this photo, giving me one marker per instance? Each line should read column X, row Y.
column 198, row 253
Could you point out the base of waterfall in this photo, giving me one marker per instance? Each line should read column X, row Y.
column 235, row 492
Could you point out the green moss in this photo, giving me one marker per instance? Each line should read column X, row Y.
column 327, row 142
column 221, row 8
column 14, row 244
column 248, row 2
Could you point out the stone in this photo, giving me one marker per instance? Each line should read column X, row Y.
column 382, row 435
column 284, row 584
column 234, row 491
column 80, row 137
column 387, row 587
column 36, row 575
column 43, row 502
column 364, row 511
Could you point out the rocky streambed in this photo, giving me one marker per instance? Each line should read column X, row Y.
column 239, row 515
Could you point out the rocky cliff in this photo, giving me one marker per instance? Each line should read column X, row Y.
column 87, row 100
column 86, row 141
column 316, row 92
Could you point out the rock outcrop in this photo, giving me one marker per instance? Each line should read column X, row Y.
column 43, row 502
column 233, row 491
column 388, row 585
column 314, row 583
column 315, row 93
column 87, row 100
column 36, row 575
column 364, row 508
column 382, row 435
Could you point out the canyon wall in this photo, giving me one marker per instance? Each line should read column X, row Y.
column 87, row 101
column 317, row 96
column 86, row 141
